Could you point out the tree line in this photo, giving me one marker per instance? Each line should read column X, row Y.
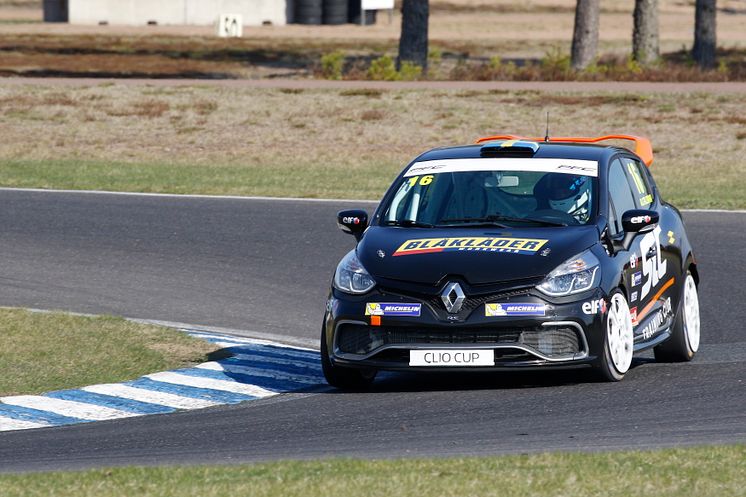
column 413, row 43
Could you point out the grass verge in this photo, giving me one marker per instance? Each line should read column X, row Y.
column 703, row 471
column 338, row 143
column 42, row 352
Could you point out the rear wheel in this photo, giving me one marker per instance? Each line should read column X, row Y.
column 341, row 377
column 618, row 340
column 684, row 341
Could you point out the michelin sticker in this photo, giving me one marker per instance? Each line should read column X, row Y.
column 392, row 309
column 524, row 246
column 517, row 309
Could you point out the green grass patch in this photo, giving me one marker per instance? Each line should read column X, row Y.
column 278, row 179
column 703, row 471
column 42, row 352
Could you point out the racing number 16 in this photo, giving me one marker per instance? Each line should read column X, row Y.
column 424, row 181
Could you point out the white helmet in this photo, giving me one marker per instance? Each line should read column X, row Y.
column 571, row 194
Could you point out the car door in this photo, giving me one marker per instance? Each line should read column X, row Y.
column 647, row 271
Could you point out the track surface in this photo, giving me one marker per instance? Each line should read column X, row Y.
column 734, row 87
column 264, row 265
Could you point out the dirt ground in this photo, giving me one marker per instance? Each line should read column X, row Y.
column 472, row 21
column 474, row 30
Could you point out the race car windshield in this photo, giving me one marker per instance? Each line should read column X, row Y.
column 501, row 198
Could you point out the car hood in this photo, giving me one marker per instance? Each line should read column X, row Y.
column 479, row 256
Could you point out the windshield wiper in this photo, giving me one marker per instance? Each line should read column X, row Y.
column 494, row 220
column 409, row 223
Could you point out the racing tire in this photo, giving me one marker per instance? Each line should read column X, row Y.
column 685, row 332
column 344, row 378
column 619, row 340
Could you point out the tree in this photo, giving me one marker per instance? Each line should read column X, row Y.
column 413, row 40
column 645, row 48
column 585, row 34
column 703, row 51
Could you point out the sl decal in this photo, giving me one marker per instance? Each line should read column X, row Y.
column 653, row 266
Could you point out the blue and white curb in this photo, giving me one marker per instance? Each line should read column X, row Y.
column 257, row 369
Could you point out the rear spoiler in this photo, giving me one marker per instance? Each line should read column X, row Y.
column 643, row 148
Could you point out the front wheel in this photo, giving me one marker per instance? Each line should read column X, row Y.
column 341, row 377
column 616, row 358
column 684, row 341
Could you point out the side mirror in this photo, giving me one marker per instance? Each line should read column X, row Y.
column 637, row 221
column 353, row 222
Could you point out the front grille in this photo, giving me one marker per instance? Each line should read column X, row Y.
column 472, row 302
column 551, row 341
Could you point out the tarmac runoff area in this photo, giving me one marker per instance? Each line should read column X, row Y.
column 257, row 369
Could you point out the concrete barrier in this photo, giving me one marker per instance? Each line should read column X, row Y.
column 175, row 12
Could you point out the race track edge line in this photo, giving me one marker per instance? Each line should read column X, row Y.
column 256, row 197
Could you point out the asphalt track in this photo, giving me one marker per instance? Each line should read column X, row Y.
column 731, row 87
column 264, row 266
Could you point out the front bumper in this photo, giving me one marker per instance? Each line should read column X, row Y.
column 565, row 336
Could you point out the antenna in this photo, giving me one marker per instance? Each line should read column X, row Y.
column 546, row 137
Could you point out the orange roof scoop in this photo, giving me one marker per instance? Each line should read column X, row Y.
column 643, row 147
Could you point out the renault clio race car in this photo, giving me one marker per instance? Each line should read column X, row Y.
column 514, row 253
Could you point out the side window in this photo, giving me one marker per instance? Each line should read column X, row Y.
column 620, row 196
column 643, row 196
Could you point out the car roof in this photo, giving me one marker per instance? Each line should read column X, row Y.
column 545, row 150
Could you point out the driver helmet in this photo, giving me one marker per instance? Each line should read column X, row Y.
column 571, row 194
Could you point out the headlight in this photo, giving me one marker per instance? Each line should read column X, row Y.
column 351, row 276
column 575, row 275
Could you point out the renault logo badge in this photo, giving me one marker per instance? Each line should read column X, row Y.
column 453, row 297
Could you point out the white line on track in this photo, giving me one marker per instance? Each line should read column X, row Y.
column 240, row 197
column 256, row 337
column 261, row 372
column 223, row 385
column 7, row 424
column 272, row 360
column 67, row 407
column 149, row 396
column 186, row 195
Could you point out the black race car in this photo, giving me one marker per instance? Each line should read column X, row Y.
column 510, row 254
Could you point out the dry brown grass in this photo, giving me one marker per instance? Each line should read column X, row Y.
column 147, row 108
column 235, row 141
column 372, row 115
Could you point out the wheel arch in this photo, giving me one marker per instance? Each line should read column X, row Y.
column 691, row 266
